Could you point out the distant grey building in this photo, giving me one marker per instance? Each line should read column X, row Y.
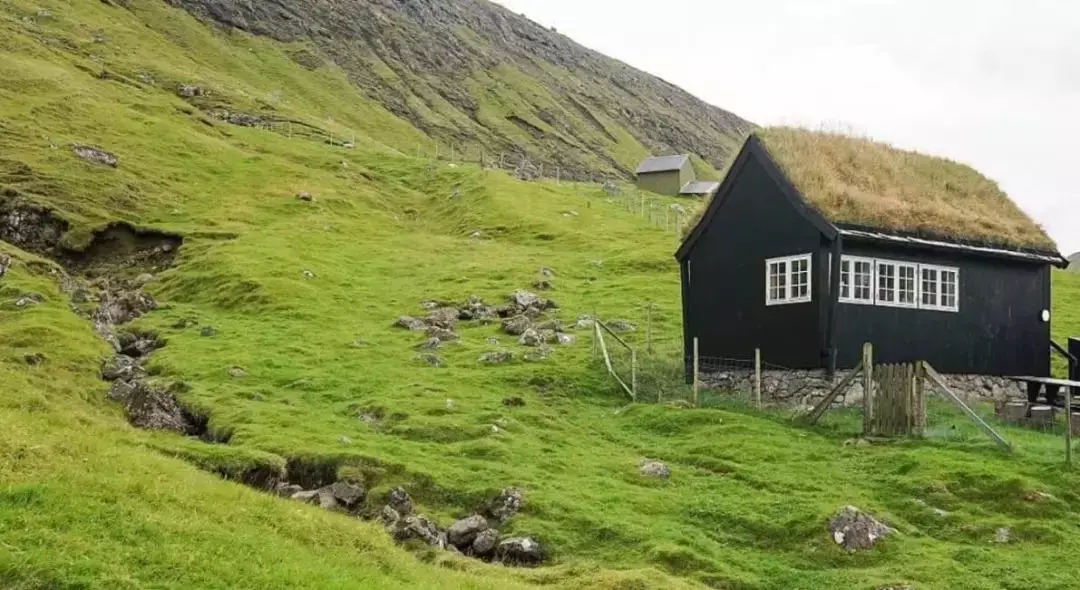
column 700, row 188
column 666, row 175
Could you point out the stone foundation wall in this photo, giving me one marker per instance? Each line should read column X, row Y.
column 804, row 389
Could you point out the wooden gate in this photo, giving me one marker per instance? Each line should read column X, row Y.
column 898, row 406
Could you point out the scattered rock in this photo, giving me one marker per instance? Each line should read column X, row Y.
column 855, row 530
column 485, row 542
column 152, row 408
column 441, row 334
column 29, row 300
column 304, row 196
column 399, row 501
column 495, row 429
column 530, row 337
column 541, row 353
column 432, row 343
column 120, row 366
column 569, row 213
column 507, row 504
column 520, row 551
column 418, row 528
column 34, row 359
column 345, row 440
column 138, row 344
column 5, row 264
column 524, row 299
column 622, row 326
column 585, row 322
column 410, row 323
column 389, row 517
column 288, row 490
column 517, row 325
column 476, row 235
column 430, row 360
column 1002, row 535
column 189, row 91
column 208, row 332
column 547, row 336
column 237, row 372
column 121, row 307
column 546, row 272
column 429, row 305
column 95, row 155
column 565, row 339
column 492, row 341
column 655, row 469
column 463, row 532
column 513, row 402
column 543, row 285
column 308, row 497
column 342, row 495
column 1037, row 496
column 308, row 274
column 444, row 317
column 497, row 357
column 143, row 280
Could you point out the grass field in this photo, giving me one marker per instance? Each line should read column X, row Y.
column 88, row 502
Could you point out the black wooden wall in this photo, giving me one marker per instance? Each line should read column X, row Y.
column 724, row 296
column 998, row 330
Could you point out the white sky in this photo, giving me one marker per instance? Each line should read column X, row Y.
column 992, row 83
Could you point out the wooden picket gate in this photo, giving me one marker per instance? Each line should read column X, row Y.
column 899, row 404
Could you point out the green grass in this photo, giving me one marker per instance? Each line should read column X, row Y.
column 88, row 502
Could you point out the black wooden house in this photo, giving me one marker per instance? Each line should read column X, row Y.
column 816, row 243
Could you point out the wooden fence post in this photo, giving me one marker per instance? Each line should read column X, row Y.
column 633, row 374
column 648, row 328
column 868, row 388
column 1068, row 426
column 697, row 366
column 757, row 377
column 919, row 400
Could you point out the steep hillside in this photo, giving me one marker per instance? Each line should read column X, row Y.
column 190, row 253
column 478, row 77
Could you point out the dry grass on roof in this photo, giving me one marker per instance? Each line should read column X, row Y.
column 862, row 182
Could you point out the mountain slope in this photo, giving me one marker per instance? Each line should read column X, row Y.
column 274, row 328
column 476, row 76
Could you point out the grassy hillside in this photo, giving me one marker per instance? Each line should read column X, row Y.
column 302, row 297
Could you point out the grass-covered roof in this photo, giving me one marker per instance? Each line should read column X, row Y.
column 860, row 182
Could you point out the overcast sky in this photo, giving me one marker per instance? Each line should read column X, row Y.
column 993, row 83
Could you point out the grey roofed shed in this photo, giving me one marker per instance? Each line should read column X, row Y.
column 662, row 164
column 700, row 187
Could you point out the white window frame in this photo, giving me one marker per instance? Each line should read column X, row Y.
column 940, row 284
column 874, row 299
column 897, row 265
column 849, row 274
column 789, row 285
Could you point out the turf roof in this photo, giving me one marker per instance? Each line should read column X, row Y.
column 859, row 182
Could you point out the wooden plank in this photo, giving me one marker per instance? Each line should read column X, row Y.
column 868, row 388
column 937, row 380
column 697, row 383
column 824, row 404
column 920, row 399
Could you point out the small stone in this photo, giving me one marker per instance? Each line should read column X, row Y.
column 307, row 497
column 120, row 366
column 524, row 299
column 441, row 334
column 543, row 285
column 517, row 325
column 476, row 235
column 855, row 530
column 304, row 196
column 507, row 504
column 484, row 543
column 307, row 274
column 655, row 469
column 143, row 280
column 444, row 317
column 497, row 357
column 410, row 323
column 35, row 359
column 237, row 372
column 432, row 343
column 208, row 332
column 1002, row 535
column 256, row 396
column 513, row 402
column 449, row 404
column 463, row 532
column 622, row 326
column 541, row 353
column 565, row 339
column 546, row 272
column 420, row 528
column 389, row 517
column 547, row 336
column 288, row 490
column 430, row 360
column 29, row 300
column 342, row 495
column 95, row 155
column 189, row 91
column 520, row 551
column 495, row 429
column 492, row 341
column 530, row 337
column 184, row 323
column 345, row 440
column 5, row 264
column 399, row 501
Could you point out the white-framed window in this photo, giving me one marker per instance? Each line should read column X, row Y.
column 857, row 280
column 873, row 281
column 939, row 287
column 787, row 280
column 896, row 284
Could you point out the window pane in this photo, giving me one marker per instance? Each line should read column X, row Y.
column 800, row 278
column 929, row 286
column 906, row 285
column 864, row 289
column 778, row 281
column 948, row 288
column 845, row 279
column 886, row 283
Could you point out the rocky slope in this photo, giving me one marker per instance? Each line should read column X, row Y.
column 480, row 78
